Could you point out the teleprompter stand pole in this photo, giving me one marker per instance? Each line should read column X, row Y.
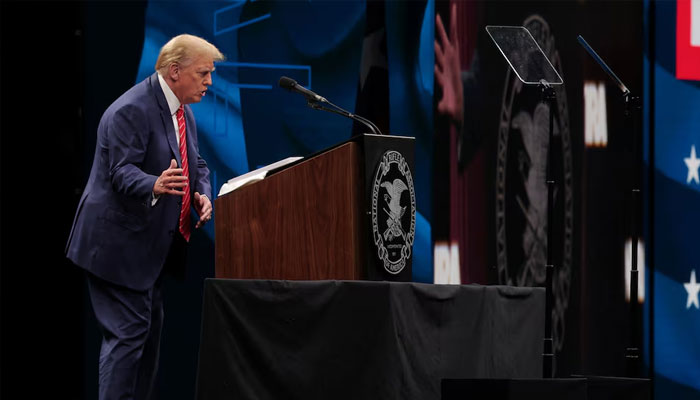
column 632, row 109
column 532, row 67
column 549, row 97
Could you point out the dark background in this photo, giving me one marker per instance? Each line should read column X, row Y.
column 53, row 95
column 42, row 294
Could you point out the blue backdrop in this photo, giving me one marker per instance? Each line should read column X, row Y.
column 676, row 216
column 247, row 121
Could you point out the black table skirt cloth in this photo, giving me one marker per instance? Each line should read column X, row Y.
column 266, row 339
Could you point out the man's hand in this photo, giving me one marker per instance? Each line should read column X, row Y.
column 448, row 72
column 171, row 181
column 203, row 207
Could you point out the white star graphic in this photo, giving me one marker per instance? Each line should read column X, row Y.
column 692, row 288
column 692, row 163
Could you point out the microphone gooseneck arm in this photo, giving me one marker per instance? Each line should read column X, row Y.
column 314, row 101
column 337, row 110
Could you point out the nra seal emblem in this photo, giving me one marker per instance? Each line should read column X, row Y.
column 393, row 211
column 521, row 190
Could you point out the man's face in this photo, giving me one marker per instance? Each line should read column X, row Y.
column 193, row 80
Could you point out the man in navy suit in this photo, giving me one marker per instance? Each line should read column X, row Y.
column 133, row 220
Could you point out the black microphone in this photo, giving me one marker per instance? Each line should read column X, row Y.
column 292, row 85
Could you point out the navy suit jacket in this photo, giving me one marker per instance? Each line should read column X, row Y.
column 117, row 234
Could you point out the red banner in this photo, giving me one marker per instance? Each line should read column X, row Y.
column 688, row 40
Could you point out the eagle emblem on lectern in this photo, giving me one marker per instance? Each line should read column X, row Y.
column 393, row 211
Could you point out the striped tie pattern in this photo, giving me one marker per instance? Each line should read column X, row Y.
column 185, row 228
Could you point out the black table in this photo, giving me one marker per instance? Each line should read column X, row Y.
column 362, row 339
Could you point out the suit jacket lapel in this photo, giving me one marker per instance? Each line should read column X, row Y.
column 170, row 134
column 166, row 117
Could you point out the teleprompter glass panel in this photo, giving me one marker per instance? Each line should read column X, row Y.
column 524, row 55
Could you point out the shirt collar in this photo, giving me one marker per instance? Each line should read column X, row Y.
column 173, row 102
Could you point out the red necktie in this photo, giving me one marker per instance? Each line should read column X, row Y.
column 185, row 222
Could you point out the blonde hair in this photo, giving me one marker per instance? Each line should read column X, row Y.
column 183, row 49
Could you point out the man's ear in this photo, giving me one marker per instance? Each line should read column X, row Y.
column 174, row 71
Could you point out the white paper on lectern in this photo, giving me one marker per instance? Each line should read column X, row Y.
column 253, row 176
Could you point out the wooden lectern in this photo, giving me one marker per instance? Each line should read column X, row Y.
column 311, row 220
